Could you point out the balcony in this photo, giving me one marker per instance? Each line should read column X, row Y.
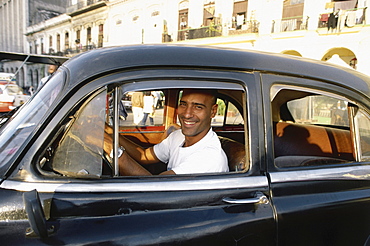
column 217, row 30
column 247, row 27
column 69, row 52
column 83, row 6
column 349, row 18
column 202, row 32
column 290, row 24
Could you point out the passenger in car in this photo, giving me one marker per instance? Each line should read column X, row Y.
column 194, row 148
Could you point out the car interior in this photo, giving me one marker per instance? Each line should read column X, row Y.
column 310, row 129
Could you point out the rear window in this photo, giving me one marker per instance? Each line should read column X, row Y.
column 319, row 109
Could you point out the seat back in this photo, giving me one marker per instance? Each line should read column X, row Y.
column 292, row 139
column 235, row 153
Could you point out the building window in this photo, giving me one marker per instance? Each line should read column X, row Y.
column 78, row 36
column 100, row 37
column 58, row 43
column 35, row 43
column 42, row 46
column 183, row 24
column 66, row 40
column 209, row 13
column 239, row 14
column 78, row 40
column 293, row 16
column 51, row 50
column 88, row 36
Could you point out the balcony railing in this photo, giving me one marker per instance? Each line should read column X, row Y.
column 247, row 27
column 70, row 51
column 202, row 32
column 351, row 18
column 82, row 4
column 290, row 24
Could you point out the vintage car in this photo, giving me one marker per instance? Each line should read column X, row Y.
column 295, row 131
column 11, row 95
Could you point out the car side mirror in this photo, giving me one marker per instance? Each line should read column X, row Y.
column 36, row 216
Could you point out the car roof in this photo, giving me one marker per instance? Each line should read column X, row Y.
column 103, row 60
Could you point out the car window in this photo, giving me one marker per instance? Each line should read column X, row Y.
column 28, row 118
column 83, row 140
column 78, row 150
column 227, row 114
column 362, row 120
column 233, row 115
column 311, row 128
column 319, row 109
column 130, row 112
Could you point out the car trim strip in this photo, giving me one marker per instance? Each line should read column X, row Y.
column 360, row 172
column 176, row 185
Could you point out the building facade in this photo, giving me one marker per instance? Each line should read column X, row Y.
column 15, row 17
column 12, row 31
column 334, row 31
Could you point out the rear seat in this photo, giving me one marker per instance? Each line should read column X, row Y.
column 310, row 145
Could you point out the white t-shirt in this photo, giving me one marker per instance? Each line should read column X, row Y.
column 148, row 104
column 205, row 156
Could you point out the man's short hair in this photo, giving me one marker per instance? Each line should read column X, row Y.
column 212, row 93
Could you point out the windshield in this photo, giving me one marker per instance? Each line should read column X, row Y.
column 17, row 131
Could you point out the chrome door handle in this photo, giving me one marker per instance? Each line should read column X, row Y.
column 259, row 198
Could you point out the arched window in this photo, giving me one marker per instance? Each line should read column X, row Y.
column 51, row 50
column 58, row 42
column 101, row 35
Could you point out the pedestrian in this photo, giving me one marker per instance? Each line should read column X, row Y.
column 148, row 108
column 137, row 105
column 51, row 71
column 31, row 90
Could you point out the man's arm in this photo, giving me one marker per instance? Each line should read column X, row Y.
column 138, row 153
column 134, row 154
column 129, row 167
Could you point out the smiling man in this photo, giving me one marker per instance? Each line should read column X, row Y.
column 194, row 148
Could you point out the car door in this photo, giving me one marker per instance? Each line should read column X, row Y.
column 318, row 134
column 83, row 205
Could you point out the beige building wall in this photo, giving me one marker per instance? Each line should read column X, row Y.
column 12, row 33
column 145, row 21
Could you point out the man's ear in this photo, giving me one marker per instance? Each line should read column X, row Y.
column 214, row 110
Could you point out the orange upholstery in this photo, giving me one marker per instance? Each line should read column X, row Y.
column 291, row 139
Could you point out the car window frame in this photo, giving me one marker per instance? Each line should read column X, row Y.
column 56, row 87
column 314, row 86
column 166, row 84
column 233, row 79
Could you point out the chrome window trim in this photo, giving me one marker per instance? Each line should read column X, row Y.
column 276, row 88
column 150, row 186
column 360, row 172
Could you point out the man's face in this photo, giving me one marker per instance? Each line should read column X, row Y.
column 52, row 69
column 195, row 113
